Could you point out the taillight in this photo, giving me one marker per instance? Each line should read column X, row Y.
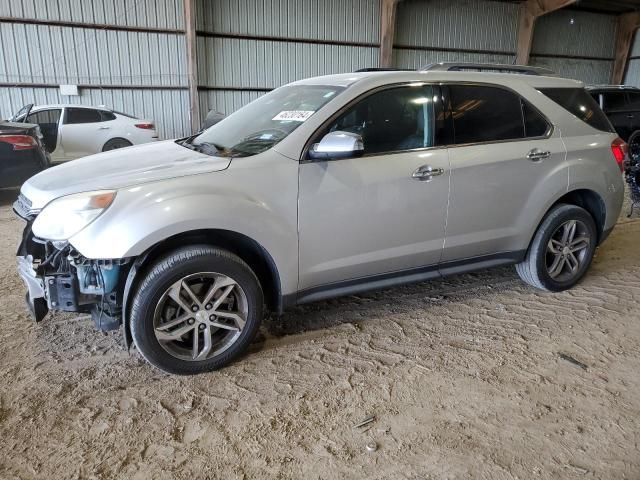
column 146, row 126
column 619, row 149
column 19, row 142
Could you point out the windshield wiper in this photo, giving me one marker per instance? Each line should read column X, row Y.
column 208, row 148
column 186, row 142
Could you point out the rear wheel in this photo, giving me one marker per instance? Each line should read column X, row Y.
column 196, row 310
column 561, row 250
column 634, row 148
column 115, row 143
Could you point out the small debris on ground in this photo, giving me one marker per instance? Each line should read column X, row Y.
column 364, row 422
column 372, row 446
column 570, row 359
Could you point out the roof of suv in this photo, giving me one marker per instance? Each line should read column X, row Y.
column 70, row 105
column 382, row 77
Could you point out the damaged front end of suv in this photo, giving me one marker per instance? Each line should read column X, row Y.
column 56, row 275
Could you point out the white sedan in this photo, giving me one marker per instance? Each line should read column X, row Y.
column 74, row 131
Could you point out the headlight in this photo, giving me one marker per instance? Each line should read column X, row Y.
column 66, row 216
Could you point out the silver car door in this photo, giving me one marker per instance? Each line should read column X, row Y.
column 506, row 163
column 384, row 212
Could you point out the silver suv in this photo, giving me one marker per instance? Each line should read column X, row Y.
column 324, row 187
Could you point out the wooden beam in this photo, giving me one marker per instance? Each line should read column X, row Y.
column 192, row 64
column 530, row 10
column 628, row 23
column 388, row 10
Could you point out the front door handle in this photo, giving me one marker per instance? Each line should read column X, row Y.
column 537, row 154
column 104, row 128
column 427, row 172
column 631, row 115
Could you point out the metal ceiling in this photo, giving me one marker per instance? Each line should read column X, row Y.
column 613, row 7
column 608, row 6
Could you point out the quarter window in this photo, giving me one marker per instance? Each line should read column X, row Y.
column 578, row 102
column 107, row 116
column 485, row 114
column 82, row 115
column 392, row 120
column 535, row 125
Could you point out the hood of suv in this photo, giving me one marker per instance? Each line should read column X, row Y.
column 118, row 169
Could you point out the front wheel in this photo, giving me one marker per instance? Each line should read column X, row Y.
column 561, row 250
column 196, row 310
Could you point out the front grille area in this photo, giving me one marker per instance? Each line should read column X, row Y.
column 22, row 207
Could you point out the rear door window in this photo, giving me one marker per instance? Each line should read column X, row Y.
column 614, row 101
column 485, row 114
column 82, row 115
column 578, row 102
column 634, row 101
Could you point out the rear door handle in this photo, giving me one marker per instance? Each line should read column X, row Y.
column 427, row 172
column 104, row 128
column 631, row 115
column 536, row 154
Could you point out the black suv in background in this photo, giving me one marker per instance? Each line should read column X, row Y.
column 622, row 105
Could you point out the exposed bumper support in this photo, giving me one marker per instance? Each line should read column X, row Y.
column 35, row 288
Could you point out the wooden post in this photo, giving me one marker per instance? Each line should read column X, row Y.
column 192, row 64
column 526, row 21
column 628, row 23
column 387, row 31
column 530, row 10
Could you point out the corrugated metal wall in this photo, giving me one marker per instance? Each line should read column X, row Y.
column 463, row 30
column 561, row 36
column 633, row 71
column 90, row 56
column 165, row 14
column 150, row 59
column 246, row 47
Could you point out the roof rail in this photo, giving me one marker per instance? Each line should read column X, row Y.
column 612, row 87
column 380, row 69
column 488, row 67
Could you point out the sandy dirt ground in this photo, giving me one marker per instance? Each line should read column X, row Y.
column 465, row 378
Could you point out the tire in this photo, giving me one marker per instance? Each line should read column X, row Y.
column 634, row 150
column 538, row 270
column 193, row 267
column 116, row 143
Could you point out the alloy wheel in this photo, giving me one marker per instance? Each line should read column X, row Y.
column 567, row 250
column 200, row 316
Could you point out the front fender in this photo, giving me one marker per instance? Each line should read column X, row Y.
column 145, row 215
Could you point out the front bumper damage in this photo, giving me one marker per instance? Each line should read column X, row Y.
column 58, row 277
column 36, row 302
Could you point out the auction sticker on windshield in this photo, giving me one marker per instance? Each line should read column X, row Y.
column 294, row 115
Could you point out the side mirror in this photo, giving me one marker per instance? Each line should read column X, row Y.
column 337, row 145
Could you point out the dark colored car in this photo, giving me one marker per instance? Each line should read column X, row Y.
column 622, row 105
column 22, row 153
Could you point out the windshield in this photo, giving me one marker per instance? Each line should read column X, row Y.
column 264, row 122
